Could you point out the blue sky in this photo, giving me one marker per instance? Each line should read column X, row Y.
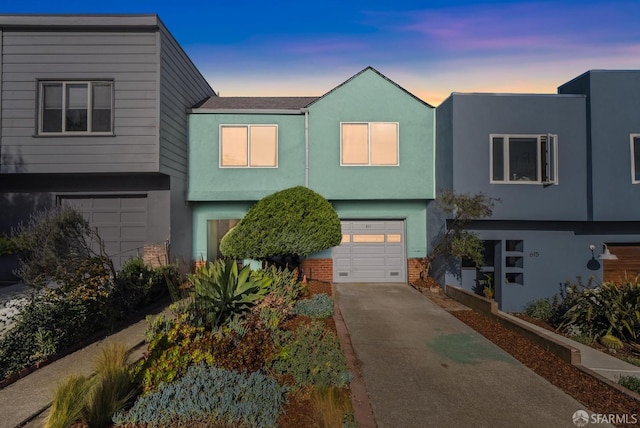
column 431, row 48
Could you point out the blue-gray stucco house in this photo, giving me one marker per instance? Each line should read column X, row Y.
column 566, row 169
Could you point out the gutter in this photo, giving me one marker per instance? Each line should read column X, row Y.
column 306, row 146
column 243, row 111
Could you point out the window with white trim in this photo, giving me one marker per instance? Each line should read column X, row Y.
column 369, row 143
column 75, row 107
column 635, row 158
column 248, row 146
column 524, row 159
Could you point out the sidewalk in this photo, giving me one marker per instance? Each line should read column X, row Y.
column 424, row 368
column 30, row 396
column 605, row 365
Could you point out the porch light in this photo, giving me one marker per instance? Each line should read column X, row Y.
column 606, row 254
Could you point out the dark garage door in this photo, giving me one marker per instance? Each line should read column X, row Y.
column 121, row 222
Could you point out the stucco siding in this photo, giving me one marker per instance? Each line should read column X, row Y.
column 476, row 116
column 413, row 213
column 208, row 181
column 552, row 254
column 615, row 114
column 369, row 97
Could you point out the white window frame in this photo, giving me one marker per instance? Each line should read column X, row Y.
column 369, row 143
column 64, row 83
column 546, row 161
column 633, row 159
column 248, row 127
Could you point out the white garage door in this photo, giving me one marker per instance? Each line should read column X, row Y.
column 121, row 222
column 371, row 251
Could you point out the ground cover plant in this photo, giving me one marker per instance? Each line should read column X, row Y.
column 262, row 364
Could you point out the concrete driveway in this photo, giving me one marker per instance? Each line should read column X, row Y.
column 424, row 368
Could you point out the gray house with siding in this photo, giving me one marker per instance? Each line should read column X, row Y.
column 563, row 166
column 93, row 114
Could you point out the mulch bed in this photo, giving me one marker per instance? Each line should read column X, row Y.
column 595, row 395
column 299, row 410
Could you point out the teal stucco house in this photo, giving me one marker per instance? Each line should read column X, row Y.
column 367, row 146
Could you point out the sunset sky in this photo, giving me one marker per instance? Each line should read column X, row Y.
column 431, row 48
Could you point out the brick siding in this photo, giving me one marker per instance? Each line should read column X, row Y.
column 414, row 267
column 155, row 255
column 319, row 269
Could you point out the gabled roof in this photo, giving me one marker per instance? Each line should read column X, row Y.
column 379, row 74
column 255, row 103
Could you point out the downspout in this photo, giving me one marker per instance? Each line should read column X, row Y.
column 306, row 146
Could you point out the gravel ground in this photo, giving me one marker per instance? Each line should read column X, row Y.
column 12, row 299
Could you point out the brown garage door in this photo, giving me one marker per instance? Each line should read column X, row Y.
column 627, row 265
column 121, row 222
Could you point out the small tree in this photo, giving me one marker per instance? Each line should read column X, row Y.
column 53, row 244
column 455, row 240
column 292, row 222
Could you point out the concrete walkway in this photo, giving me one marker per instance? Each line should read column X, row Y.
column 25, row 399
column 424, row 368
column 605, row 365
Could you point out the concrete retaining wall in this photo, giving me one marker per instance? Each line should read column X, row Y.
column 490, row 309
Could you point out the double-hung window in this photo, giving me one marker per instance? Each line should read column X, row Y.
column 76, row 107
column 635, row 158
column 248, row 146
column 524, row 159
column 369, row 143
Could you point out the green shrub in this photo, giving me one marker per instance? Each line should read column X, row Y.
column 543, row 309
column 209, row 394
column 7, row 246
column 284, row 284
column 611, row 309
column 45, row 326
column 52, row 243
column 312, row 356
column 318, row 306
column 278, row 305
column 631, row 383
column 94, row 400
column 219, row 291
column 295, row 221
column 138, row 285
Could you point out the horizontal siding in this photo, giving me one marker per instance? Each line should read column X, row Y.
column 626, row 268
column 39, row 41
column 129, row 59
column 182, row 86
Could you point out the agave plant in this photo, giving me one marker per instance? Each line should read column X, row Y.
column 221, row 290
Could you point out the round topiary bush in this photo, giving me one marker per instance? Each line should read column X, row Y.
column 295, row 221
